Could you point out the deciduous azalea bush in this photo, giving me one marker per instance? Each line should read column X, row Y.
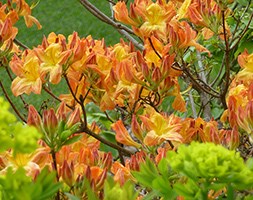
column 165, row 113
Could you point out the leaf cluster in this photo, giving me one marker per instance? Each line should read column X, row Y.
column 16, row 185
column 197, row 171
column 12, row 132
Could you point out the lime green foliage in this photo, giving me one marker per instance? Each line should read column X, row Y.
column 196, row 170
column 156, row 179
column 15, row 135
column 21, row 139
column 113, row 191
column 16, row 185
column 206, row 167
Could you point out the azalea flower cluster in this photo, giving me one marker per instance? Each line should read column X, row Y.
column 104, row 75
column 240, row 105
column 9, row 15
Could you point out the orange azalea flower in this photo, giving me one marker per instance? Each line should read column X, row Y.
column 121, row 173
column 121, row 14
column 52, row 60
column 181, row 35
column 183, row 9
column 179, row 103
column 160, row 128
column 205, row 13
column 20, row 160
column 230, row 138
column 245, row 60
column 67, row 173
column 11, row 14
column 122, row 134
column 155, row 20
column 24, row 10
column 107, row 103
column 136, row 129
column 7, row 31
column 28, row 75
column 146, row 17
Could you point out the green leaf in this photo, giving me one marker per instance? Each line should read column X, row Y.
column 249, row 163
column 72, row 139
column 113, row 191
column 110, row 136
column 71, row 196
column 245, row 44
column 65, row 134
column 186, row 190
column 49, row 186
column 151, row 195
column 243, row 2
column 163, row 167
column 90, row 193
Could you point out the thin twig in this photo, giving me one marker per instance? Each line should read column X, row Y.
column 108, row 117
column 123, row 30
column 101, row 139
column 20, row 44
column 71, row 91
column 11, row 78
column 55, row 97
column 204, row 87
column 153, row 47
column 243, row 32
column 239, row 21
column 227, row 64
column 53, row 154
column 12, row 105
column 82, row 99
column 194, row 112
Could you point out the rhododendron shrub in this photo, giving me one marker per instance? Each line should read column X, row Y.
column 165, row 113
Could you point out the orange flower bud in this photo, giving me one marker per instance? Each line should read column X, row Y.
column 101, row 179
column 34, row 118
column 122, row 134
column 136, row 129
column 74, row 117
column 6, row 30
column 107, row 160
column 67, row 173
column 157, row 76
column 50, row 121
column 61, row 112
column 145, row 71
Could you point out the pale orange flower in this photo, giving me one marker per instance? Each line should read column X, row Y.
column 121, row 173
column 52, row 59
column 182, row 36
column 23, row 9
column 28, row 76
column 122, row 134
column 160, row 128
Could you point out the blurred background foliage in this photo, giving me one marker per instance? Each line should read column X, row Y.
column 64, row 17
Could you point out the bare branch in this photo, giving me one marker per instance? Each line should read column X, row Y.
column 12, row 105
column 123, row 30
column 243, row 32
column 194, row 112
column 227, row 64
column 101, row 139
column 20, row 44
